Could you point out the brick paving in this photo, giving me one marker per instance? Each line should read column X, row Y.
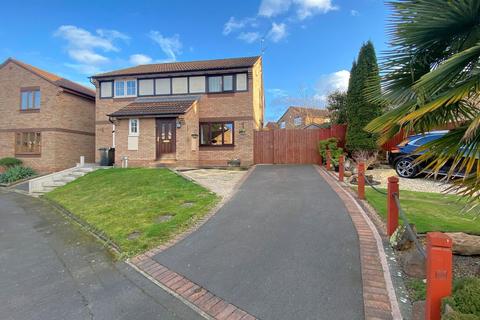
column 378, row 294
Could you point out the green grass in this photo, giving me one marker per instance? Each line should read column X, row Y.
column 417, row 289
column 123, row 201
column 430, row 211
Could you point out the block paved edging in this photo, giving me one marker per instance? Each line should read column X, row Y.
column 379, row 297
column 198, row 298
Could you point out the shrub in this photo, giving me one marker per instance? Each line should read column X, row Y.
column 16, row 173
column 465, row 299
column 10, row 162
column 332, row 145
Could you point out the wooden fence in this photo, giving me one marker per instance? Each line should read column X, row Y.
column 293, row 146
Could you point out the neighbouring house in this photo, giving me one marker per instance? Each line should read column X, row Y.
column 271, row 125
column 302, row 117
column 47, row 121
column 198, row 113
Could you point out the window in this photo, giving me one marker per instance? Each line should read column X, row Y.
column 197, row 84
column 297, row 121
column 214, row 84
column 28, row 143
column 216, row 134
column 282, row 125
column 125, row 88
column 227, row 83
column 145, row 87
column 162, row 86
column 179, row 85
column 106, row 89
column 133, row 127
column 241, row 82
column 30, row 99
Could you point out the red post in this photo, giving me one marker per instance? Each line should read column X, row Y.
column 361, row 180
column 392, row 210
column 341, row 168
column 328, row 160
column 439, row 272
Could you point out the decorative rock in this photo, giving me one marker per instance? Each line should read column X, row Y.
column 465, row 244
column 414, row 265
column 134, row 235
column 418, row 310
column 347, row 174
column 400, row 240
column 164, row 218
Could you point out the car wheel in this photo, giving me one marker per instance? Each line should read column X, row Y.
column 406, row 168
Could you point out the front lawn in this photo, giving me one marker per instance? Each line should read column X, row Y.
column 430, row 211
column 137, row 208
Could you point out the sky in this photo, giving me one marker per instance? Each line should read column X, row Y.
column 308, row 46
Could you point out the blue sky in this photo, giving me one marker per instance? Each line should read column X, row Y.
column 309, row 45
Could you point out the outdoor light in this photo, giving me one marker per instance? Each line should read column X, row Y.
column 179, row 124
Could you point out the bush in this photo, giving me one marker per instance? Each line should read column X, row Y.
column 10, row 162
column 332, row 145
column 465, row 299
column 16, row 173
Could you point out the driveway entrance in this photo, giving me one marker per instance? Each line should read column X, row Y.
column 284, row 247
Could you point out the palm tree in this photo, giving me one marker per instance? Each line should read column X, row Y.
column 431, row 78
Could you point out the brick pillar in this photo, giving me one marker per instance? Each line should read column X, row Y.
column 328, row 160
column 392, row 210
column 439, row 272
column 341, row 168
column 361, row 180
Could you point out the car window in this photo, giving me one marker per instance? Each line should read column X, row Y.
column 422, row 141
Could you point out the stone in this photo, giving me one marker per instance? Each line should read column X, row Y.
column 188, row 204
column 400, row 240
column 347, row 174
column 414, row 265
column 418, row 310
column 163, row 218
column 134, row 235
column 465, row 244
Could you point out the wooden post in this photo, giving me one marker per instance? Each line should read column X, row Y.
column 392, row 210
column 439, row 273
column 361, row 180
column 341, row 168
column 328, row 160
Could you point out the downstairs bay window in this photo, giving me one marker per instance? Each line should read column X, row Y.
column 216, row 134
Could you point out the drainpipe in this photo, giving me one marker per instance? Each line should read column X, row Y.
column 113, row 131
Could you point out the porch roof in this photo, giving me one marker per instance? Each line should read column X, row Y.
column 156, row 107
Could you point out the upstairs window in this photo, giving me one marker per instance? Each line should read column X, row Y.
column 30, row 99
column 180, row 85
column 216, row 134
column 125, row 88
column 145, row 87
column 282, row 125
column 241, row 83
column 215, row 84
column 106, row 89
column 297, row 121
column 227, row 83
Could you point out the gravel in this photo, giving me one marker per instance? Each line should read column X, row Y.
column 220, row 181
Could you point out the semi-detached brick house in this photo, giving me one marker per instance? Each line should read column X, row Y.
column 198, row 113
column 47, row 121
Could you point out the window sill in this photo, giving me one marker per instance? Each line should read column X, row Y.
column 29, row 111
column 225, row 147
column 28, row 155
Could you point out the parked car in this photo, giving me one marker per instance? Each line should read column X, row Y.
column 403, row 156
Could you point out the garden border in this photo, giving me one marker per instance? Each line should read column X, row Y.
column 379, row 295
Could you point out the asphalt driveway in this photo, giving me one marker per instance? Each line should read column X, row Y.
column 51, row 269
column 284, row 247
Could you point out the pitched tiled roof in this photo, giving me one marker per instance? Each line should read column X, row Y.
column 54, row 79
column 156, row 106
column 218, row 64
column 312, row 112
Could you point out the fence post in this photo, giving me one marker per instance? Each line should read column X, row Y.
column 341, row 168
column 392, row 210
column 439, row 273
column 328, row 160
column 361, row 180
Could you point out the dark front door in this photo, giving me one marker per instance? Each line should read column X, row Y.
column 165, row 136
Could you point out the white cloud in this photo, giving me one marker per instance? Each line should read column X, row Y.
column 233, row 24
column 307, row 8
column 87, row 56
column 277, row 92
column 277, row 32
column 249, row 37
column 304, row 8
column 272, row 8
column 112, row 34
column 354, row 13
column 171, row 46
column 331, row 82
column 138, row 58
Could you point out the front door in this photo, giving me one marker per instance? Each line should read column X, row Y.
column 165, row 136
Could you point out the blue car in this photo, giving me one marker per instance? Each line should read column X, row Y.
column 403, row 156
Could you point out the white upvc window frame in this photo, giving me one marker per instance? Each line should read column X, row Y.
column 130, row 133
column 125, row 88
column 297, row 121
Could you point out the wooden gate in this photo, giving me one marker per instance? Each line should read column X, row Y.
column 292, row 146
